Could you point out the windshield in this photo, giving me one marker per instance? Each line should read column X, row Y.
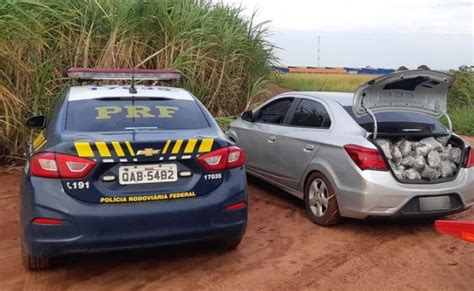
column 122, row 114
column 397, row 122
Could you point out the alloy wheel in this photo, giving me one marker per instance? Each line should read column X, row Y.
column 318, row 197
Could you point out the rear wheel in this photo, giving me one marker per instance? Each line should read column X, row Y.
column 320, row 201
column 33, row 263
column 230, row 243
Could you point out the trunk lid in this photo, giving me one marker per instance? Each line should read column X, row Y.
column 410, row 91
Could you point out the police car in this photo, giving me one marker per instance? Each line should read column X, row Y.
column 127, row 166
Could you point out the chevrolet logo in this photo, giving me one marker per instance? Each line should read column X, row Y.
column 148, row 152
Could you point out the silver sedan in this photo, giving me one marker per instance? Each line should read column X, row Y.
column 321, row 147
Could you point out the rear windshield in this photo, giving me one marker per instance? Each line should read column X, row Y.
column 400, row 122
column 122, row 114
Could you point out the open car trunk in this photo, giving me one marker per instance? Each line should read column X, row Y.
column 417, row 159
column 415, row 152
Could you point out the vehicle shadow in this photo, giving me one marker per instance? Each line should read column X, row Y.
column 152, row 257
column 263, row 190
column 283, row 197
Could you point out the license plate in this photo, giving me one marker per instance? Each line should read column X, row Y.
column 144, row 174
column 435, row 203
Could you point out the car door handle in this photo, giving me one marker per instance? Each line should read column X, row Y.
column 271, row 139
column 308, row 147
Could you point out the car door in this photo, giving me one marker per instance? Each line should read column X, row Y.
column 259, row 138
column 308, row 126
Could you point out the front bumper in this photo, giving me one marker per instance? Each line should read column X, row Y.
column 377, row 193
column 90, row 228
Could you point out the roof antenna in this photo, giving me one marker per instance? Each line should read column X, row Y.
column 132, row 89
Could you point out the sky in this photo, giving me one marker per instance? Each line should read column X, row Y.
column 376, row 33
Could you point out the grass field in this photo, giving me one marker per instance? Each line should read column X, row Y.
column 460, row 99
column 321, row 82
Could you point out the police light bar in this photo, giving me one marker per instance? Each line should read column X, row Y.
column 123, row 74
column 459, row 229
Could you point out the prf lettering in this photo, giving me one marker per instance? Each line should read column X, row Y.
column 137, row 111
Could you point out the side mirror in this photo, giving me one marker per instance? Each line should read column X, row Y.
column 36, row 122
column 248, row 116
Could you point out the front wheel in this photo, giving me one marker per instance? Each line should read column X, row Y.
column 320, row 201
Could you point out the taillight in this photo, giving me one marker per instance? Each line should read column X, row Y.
column 47, row 221
column 470, row 158
column 51, row 165
column 221, row 159
column 237, row 206
column 72, row 167
column 366, row 158
column 236, row 157
column 214, row 161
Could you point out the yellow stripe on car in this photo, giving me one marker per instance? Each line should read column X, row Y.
column 190, row 146
column 40, row 146
column 84, row 149
column 39, row 140
column 103, row 149
column 118, row 149
column 177, row 146
column 167, row 145
column 206, row 145
column 130, row 149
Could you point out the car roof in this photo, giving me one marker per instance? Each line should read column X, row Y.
column 93, row 92
column 343, row 98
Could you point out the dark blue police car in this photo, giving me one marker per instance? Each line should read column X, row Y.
column 125, row 167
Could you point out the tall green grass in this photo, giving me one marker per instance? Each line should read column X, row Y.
column 462, row 119
column 461, row 94
column 224, row 56
column 461, row 103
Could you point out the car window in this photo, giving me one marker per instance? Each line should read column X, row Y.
column 399, row 122
column 122, row 114
column 275, row 111
column 311, row 113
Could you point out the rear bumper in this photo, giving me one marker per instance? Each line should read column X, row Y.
column 376, row 193
column 413, row 208
column 89, row 228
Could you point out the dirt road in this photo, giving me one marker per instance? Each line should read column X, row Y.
column 281, row 250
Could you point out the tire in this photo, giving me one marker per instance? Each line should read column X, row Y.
column 34, row 263
column 230, row 243
column 320, row 201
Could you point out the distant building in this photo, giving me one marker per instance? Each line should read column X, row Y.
column 333, row 70
column 369, row 71
column 280, row 69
